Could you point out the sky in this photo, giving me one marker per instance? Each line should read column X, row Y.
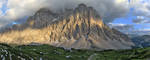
column 124, row 15
column 138, row 17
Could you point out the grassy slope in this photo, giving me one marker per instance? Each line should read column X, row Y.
column 46, row 52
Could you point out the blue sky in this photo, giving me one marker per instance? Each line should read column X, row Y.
column 128, row 19
column 4, row 7
column 14, row 9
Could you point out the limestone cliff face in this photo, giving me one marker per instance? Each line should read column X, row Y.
column 81, row 28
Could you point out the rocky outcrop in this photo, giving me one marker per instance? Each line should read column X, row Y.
column 81, row 28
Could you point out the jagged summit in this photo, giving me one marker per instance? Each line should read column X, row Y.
column 82, row 5
column 45, row 17
column 42, row 18
column 44, row 10
column 81, row 28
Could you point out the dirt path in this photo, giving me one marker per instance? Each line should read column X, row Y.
column 91, row 57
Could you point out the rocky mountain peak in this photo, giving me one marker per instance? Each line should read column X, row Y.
column 44, row 11
column 81, row 7
column 81, row 28
column 86, row 11
column 45, row 17
column 42, row 18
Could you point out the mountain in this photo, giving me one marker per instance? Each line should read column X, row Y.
column 80, row 28
column 142, row 41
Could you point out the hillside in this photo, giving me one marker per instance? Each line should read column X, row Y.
column 46, row 52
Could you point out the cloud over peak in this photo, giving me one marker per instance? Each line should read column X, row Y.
column 108, row 9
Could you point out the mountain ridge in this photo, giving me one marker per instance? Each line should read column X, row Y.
column 81, row 28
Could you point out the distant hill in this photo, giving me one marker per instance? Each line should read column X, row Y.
column 142, row 41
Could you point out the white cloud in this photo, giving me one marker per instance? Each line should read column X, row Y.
column 144, row 30
column 2, row 2
column 116, row 24
column 21, row 8
column 108, row 9
column 120, row 26
column 1, row 12
column 140, row 20
column 142, row 7
column 141, row 10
